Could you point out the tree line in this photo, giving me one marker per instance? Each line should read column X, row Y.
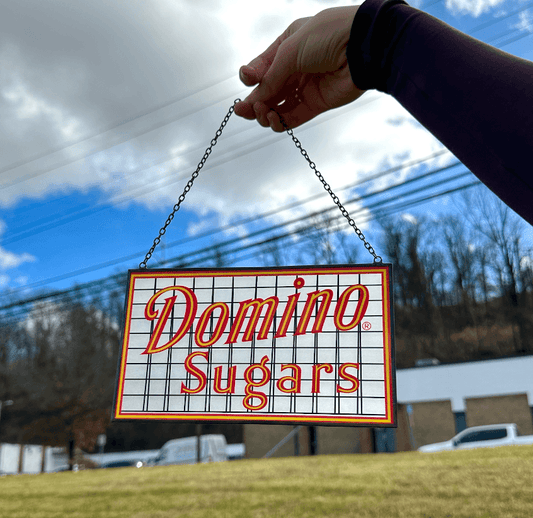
column 462, row 287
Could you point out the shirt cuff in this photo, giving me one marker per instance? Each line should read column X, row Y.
column 375, row 30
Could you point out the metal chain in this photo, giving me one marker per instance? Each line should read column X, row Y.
column 187, row 188
column 297, row 143
column 335, row 198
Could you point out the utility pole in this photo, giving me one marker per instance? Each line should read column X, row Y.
column 198, row 443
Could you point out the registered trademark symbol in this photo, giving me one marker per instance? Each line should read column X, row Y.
column 367, row 326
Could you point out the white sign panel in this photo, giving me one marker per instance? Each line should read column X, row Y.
column 308, row 345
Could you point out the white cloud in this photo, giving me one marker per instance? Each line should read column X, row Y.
column 119, row 60
column 201, row 226
column 10, row 260
column 66, row 73
column 409, row 218
column 27, row 105
column 124, row 58
column 473, row 7
column 345, row 145
column 525, row 22
column 526, row 263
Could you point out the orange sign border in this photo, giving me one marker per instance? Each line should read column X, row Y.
column 390, row 420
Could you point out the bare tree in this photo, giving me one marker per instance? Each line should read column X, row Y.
column 459, row 249
column 65, row 387
column 272, row 253
column 415, row 275
column 319, row 243
column 349, row 244
column 503, row 230
column 218, row 256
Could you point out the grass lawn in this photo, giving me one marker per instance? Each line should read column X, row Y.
column 491, row 482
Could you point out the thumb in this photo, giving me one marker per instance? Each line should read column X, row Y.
column 254, row 72
column 272, row 85
column 248, row 75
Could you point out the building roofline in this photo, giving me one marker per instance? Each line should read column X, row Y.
column 485, row 360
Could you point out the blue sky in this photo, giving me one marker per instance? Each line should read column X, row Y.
column 106, row 108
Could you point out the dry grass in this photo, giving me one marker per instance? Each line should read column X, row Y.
column 476, row 483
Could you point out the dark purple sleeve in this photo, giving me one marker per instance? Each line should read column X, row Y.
column 476, row 99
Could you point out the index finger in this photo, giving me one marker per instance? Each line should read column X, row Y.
column 280, row 81
column 254, row 72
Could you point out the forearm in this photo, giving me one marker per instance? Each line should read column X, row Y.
column 477, row 100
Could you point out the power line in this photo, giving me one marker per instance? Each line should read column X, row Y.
column 166, row 104
column 331, row 209
column 114, row 125
column 430, row 4
column 117, row 281
column 59, row 219
column 253, row 144
column 160, row 106
column 110, row 127
column 118, row 140
column 516, row 38
column 207, row 253
column 494, row 21
column 257, row 217
column 181, row 98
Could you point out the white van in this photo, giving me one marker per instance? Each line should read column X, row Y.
column 32, row 458
column 183, row 451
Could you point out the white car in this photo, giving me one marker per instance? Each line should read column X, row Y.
column 487, row 436
column 184, row 450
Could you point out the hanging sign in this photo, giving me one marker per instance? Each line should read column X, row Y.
column 310, row 345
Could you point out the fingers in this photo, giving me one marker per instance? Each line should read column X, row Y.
column 277, row 85
column 267, row 116
column 254, row 72
column 245, row 110
column 261, row 111
column 271, row 71
column 303, row 73
column 289, row 102
column 249, row 111
column 280, row 81
column 294, row 117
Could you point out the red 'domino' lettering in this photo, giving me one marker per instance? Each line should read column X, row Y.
column 254, row 310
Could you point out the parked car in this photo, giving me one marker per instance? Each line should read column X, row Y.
column 184, row 451
column 123, row 464
column 487, row 436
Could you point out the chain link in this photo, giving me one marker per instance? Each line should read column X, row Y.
column 334, row 197
column 187, row 188
column 312, row 165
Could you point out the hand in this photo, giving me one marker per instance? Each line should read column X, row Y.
column 303, row 73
